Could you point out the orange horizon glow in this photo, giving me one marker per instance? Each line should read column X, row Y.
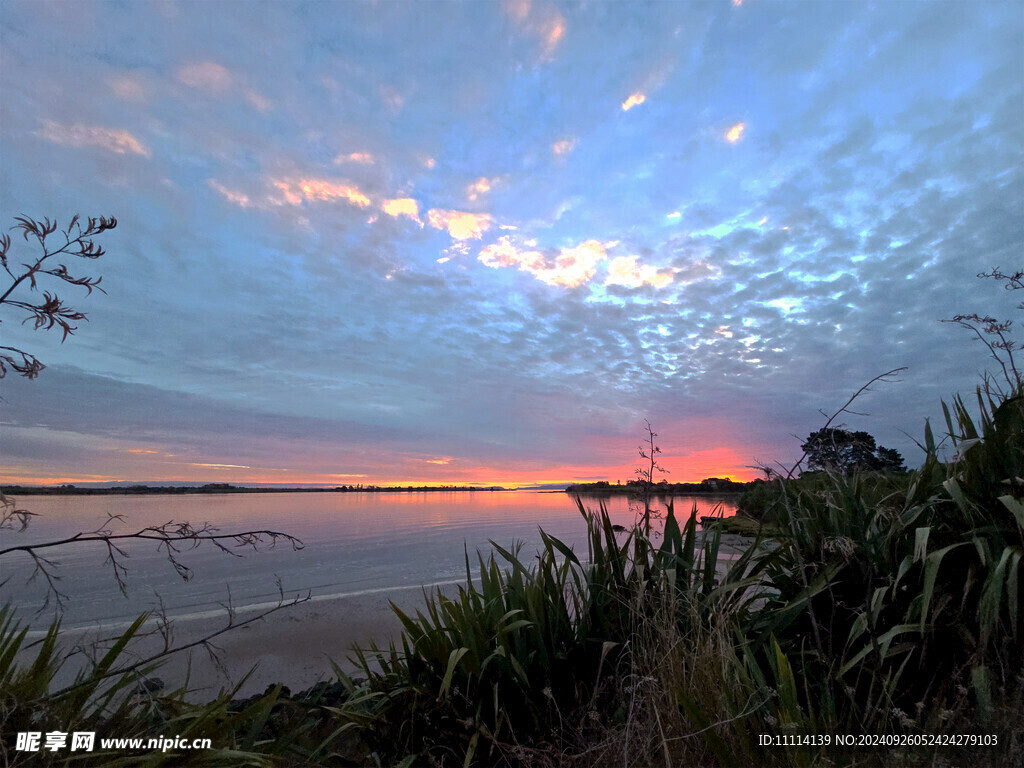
column 465, row 479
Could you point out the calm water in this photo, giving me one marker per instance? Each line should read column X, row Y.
column 354, row 542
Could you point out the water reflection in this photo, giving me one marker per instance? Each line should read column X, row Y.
column 353, row 542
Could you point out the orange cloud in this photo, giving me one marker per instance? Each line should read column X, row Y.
column 289, row 197
column 238, row 198
column 543, row 21
column 460, row 225
column 321, row 190
column 479, row 187
column 625, row 271
column 402, row 206
column 363, row 158
column 78, row 135
column 318, row 189
column 554, row 32
column 504, row 254
column 207, row 75
column 570, row 268
column 634, row 100
column 735, row 133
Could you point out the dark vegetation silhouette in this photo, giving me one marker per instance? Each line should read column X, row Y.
column 839, row 450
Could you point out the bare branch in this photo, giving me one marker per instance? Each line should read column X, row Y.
column 51, row 311
column 171, row 537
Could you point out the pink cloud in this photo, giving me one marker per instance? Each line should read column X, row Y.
column 322, row 190
column 78, row 135
column 542, row 20
column 128, row 86
column 362, row 158
column 258, row 100
column 563, row 147
column 207, row 75
column 232, row 196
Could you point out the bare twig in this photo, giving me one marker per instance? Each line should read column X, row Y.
column 172, row 537
column 51, row 311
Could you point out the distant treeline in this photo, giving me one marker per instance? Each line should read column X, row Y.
column 712, row 485
column 141, row 490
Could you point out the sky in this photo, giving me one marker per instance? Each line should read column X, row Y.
column 482, row 242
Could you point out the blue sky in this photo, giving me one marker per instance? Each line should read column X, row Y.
column 482, row 242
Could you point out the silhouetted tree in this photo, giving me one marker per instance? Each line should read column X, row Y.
column 645, row 473
column 840, row 450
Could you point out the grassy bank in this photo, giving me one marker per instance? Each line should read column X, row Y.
column 865, row 606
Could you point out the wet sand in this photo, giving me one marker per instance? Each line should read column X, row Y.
column 293, row 645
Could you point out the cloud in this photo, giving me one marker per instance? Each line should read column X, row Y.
column 625, row 271
column 634, row 100
column 78, row 135
column 735, row 133
column 460, row 224
column 362, row 158
column 402, row 206
column 553, row 31
column 572, row 267
column 563, row 147
column 128, row 86
column 285, row 189
column 504, row 254
column 392, row 98
column 481, row 186
column 543, row 21
column 232, row 196
column 257, row 100
column 207, row 75
column 321, row 190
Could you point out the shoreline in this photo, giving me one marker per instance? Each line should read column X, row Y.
column 294, row 645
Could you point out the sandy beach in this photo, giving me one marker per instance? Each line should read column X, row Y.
column 293, row 645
